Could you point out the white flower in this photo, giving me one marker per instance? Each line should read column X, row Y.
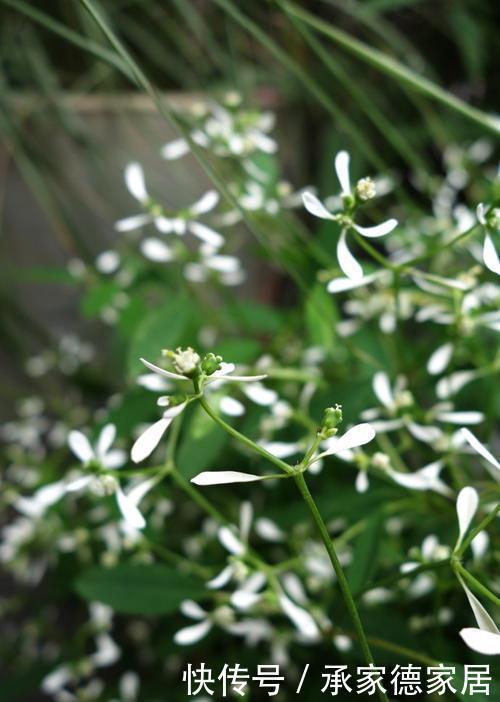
column 426, row 478
column 224, row 374
column 347, row 262
column 227, row 133
column 179, row 223
column 398, row 400
column 102, row 453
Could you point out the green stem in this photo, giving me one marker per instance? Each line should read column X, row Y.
column 241, row 437
column 480, row 527
column 342, row 580
column 475, row 584
column 392, row 579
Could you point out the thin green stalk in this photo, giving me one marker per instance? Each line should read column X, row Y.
column 393, row 579
column 395, row 69
column 298, row 476
column 242, row 438
column 342, row 580
column 475, row 584
column 403, row 651
column 480, row 527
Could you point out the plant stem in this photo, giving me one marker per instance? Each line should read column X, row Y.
column 342, row 580
column 318, row 520
column 474, row 583
column 241, row 437
column 480, row 527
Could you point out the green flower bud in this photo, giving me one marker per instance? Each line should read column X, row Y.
column 332, row 417
column 211, row 363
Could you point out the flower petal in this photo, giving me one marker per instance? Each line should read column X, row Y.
column 127, row 224
column 490, row 256
column 440, row 359
column 479, row 447
column 80, row 445
column 129, row 510
column 175, row 149
column 206, row 203
column 299, row 617
column 451, row 384
column 342, row 170
column 483, row 619
column 382, row 389
column 105, row 440
column 315, row 206
column 338, row 285
column 232, row 407
column 192, row 634
column 358, row 435
column 378, row 230
column 362, row 482
column 149, row 439
column 223, row 477
column 481, row 641
column 134, row 180
column 221, row 579
column 467, row 504
column 230, row 541
column 192, row 609
column 156, row 250
column 281, row 449
column 460, row 417
column 162, row 371
column 350, row 267
column 206, row 234
column 260, row 394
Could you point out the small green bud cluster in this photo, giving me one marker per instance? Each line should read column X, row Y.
column 493, row 219
column 332, row 417
column 211, row 363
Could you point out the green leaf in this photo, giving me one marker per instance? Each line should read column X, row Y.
column 139, row 589
column 255, row 317
column 164, row 327
column 238, row 350
column 365, row 554
column 321, row 316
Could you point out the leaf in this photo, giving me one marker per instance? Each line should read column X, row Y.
column 364, row 557
column 164, row 327
column 139, row 589
column 321, row 316
column 255, row 317
column 239, row 350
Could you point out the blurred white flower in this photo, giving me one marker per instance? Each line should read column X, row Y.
column 364, row 190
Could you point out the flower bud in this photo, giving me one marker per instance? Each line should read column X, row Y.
column 332, row 417
column 211, row 363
